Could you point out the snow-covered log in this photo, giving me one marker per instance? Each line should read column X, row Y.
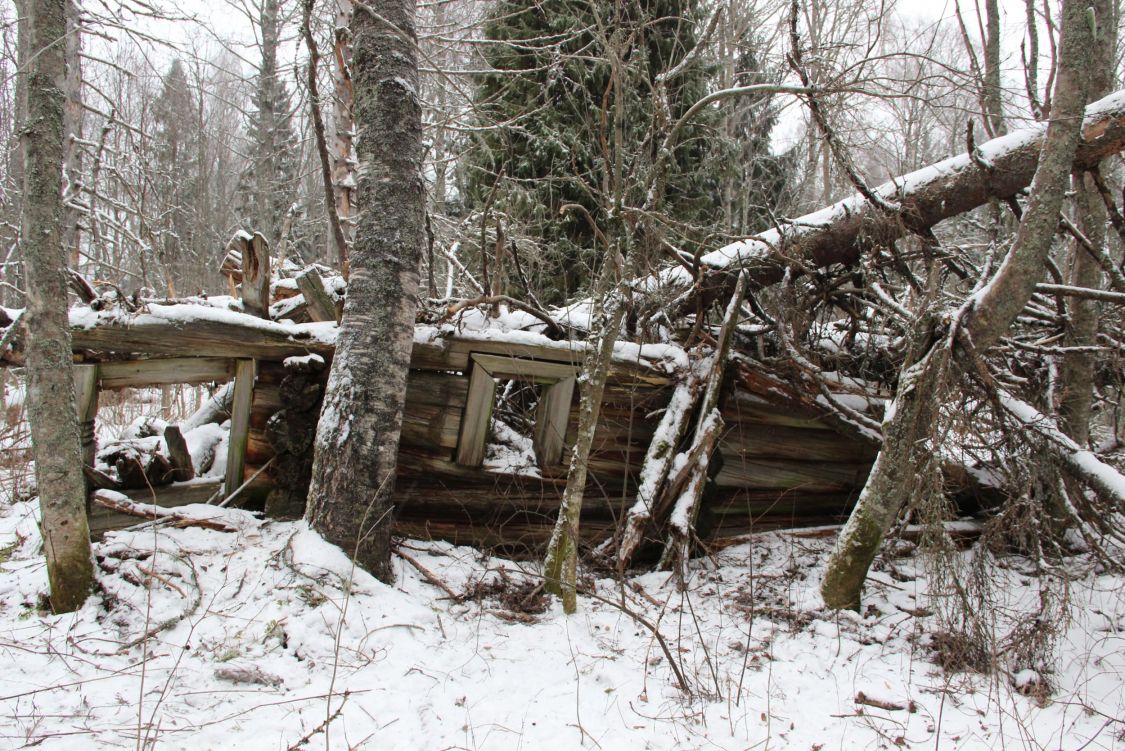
column 841, row 233
column 658, row 462
column 681, row 527
column 1082, row 464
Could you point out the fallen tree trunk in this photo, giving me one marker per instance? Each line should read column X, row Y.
column 1080, row 463
column 841, row 233
column 909, row 425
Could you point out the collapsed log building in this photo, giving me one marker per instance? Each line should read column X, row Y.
column 491, row 405
column 781, row 464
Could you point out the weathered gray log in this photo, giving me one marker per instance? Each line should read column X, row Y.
column 103, row 520
column 318, row 302
column 178, row 454
column 178, row 330
column 124, row 505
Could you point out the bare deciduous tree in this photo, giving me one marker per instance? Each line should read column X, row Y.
column 50, row 380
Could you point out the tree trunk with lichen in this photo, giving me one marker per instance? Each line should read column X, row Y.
column 50, row 375
column 982, row 321
column 1076, row 374
column 560, row 568
column 351, row 496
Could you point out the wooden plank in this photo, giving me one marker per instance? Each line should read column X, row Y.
column 320, row 305
column 428, row 387
column 748, row 440
column 267, row 399
column 475, row 420
column 121, row 374
column 551, row 419
column 537, row 370
column 256, row 276
column 159, row 333
column 437, row 355
column 431, row 425
column 239, row 423
column 86, row 401
column 103, row 520
column 745, row 407
column 781, row 474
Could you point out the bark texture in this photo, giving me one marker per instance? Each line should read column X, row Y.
column 343, row 128
column 560, row 568
column 993, row 93
column 350, row 499
column 50, row 377
column 319, row 135
column 265, row 168
column 981, row 321
column 1076, row 374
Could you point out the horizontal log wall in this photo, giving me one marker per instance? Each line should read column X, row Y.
column 778, row 465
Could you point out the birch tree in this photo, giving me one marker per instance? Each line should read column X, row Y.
column 50, row 378
column 350, row 499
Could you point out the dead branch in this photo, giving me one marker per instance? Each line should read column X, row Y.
column 552, row 325
column 151, row 512
column 428, row 575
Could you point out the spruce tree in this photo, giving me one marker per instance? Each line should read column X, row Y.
column 270, row 180
column 176, row 150
column 553, row 113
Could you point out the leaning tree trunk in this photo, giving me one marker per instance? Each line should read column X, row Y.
column 350, row 499
column 343, row 125
column 982, row 321
column 50, row 377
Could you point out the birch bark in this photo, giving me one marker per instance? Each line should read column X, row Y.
column 350, row 499
column 50, row 377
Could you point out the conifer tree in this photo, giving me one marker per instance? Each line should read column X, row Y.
column 271, row 179
column 176, row 152
column 552, row 142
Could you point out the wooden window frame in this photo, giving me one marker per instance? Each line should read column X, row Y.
column 551, row 416
column 91, row 378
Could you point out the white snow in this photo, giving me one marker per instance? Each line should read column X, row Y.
column 260, row 636
column 298, row 360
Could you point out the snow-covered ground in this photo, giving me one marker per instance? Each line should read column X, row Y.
column 256, row 640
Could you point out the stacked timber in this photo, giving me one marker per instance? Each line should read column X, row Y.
column 778, row 462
